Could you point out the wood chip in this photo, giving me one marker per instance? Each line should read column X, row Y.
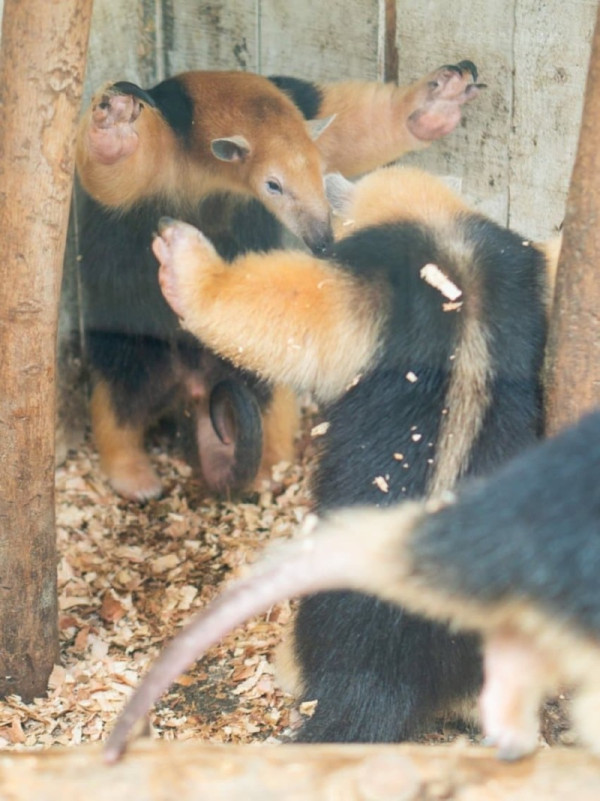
column 130, row 576
column 320, row 429
column 452, row 306
column 433, row 276
column 111, row 609
column 381, row 483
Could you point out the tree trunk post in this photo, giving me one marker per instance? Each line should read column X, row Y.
column 573, row 356
column 42, row 63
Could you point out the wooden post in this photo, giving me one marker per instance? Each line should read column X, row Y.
column 187, row 771
column 42, row 62
column 573, row 360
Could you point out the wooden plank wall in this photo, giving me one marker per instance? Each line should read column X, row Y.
column 516, row 151
column 513, row 154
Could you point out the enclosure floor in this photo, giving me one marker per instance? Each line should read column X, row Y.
column 130, row 575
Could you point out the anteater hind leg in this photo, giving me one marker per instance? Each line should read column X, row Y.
column 280, row 425
column 121, row 447
column 517, row 677
column 378, row 673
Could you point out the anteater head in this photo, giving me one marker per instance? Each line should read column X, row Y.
column 280, row 165
column 203, row 132
column 253, row 139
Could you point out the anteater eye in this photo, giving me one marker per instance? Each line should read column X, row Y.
column 273, row 187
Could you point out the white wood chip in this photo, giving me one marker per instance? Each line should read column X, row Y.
column 381, row 483
column 433, row 276
column 320, row 430
column 452, row 306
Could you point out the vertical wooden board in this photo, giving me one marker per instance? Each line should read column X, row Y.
column 552, row 48
column 122, row 44
column 221, row 34
column 431, row 34
column 319, row 41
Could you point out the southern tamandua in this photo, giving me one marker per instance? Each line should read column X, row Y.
column 514, row 557
column 422, row 335
column 232, row 153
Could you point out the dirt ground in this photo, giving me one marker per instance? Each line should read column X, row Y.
column 130, row 575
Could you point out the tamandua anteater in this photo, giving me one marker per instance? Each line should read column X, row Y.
column 515, row 557
column 422, row 335
column 234, row 154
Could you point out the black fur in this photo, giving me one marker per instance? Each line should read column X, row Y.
column 532, row 530
column 307, row 96
column 133, row 339
column 177, row 107
column 378, row 673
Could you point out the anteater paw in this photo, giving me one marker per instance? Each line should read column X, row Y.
column 512, row 743
column 439, row 98
column 183, row 252
column 134, row 479
column 111, row 133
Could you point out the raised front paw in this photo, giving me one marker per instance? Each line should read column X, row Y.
column 111, row 134
column 439, row 99
column 182, row 252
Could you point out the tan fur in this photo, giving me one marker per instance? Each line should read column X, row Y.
column 468, row 396
column 284, row 315
column 407, row 193
column 280, row 426
column 229, row 104
column 401, row 193
column 122, row 456
column 518, row 676
column 376, row 544
column 356, row 106
column 551, row 250
column 586, row 703
column 140, row 174
column 287, row 670
column 370, row 128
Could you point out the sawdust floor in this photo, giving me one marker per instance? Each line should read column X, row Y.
column 130, row 575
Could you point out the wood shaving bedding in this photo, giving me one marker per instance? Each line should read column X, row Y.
column 129, row 576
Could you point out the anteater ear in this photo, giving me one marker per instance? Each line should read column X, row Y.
column 340, row 193
column 230, row 148
column 316, row 127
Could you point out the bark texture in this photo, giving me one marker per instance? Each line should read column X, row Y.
column 573, row 363
column 42, row 62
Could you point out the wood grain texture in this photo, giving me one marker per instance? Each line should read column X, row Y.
column 515, row 150
column 221, row 35
column 573, row 378
column 551, row 52
column 190, row 770
column 477, row 152
column 40, row 91
column 117, row 45
column 322, row 42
